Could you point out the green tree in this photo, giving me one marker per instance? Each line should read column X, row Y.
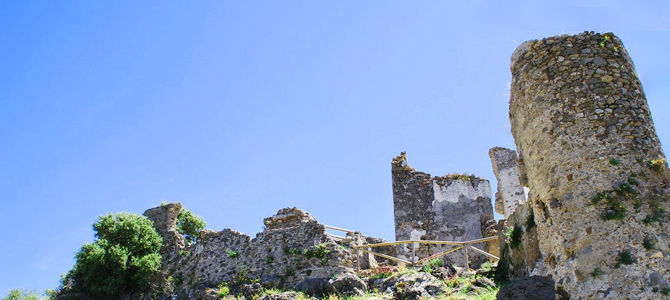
column 189, row 225
column 17, row 294
column 124, row 258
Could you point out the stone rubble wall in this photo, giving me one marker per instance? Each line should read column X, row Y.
column 165, row 220
column 597, row 175
column 519, row 251
column 446, row 208
column 510, row 192
column 294, row 249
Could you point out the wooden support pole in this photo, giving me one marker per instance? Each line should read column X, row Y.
column 387, row 257
column 439, row 255
column 413, row 254
column 459, row 245
column 339, row 229
column 484, row 253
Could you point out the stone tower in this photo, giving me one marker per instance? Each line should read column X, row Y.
column 446, row 208
column 597, row 175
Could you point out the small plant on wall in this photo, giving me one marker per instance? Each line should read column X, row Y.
column 624, row 258
column 513, row 236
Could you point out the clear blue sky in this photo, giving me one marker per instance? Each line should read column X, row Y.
column 240, row 108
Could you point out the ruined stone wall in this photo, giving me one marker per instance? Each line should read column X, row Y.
column 510, row 193
column 519, row 244
column 594, row 165
column 294, row 251
column 447, row 208
column 165, row 220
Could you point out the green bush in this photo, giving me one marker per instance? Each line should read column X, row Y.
column 17, row 294
column 189, row 225
column 124, row 258
column 224, row 290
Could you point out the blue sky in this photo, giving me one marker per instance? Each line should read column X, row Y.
column 238, row 109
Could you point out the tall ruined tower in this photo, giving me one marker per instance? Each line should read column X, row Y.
column 445, row 208
column 597, row 175
column 510, row 193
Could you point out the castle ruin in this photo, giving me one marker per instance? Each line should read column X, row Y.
column 585, row 197
column 444, row 208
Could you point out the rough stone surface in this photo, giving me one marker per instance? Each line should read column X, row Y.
column 413, row 286
column 518, row 258
column 510, row 192
column 165, row 220
column 316, row 286
column 529, row 288
column 294, row 248
column 446, row 208
column 349, row 285
column 594, row 165
column 444, row 272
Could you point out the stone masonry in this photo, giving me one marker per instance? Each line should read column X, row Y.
column 446, row 208
column 597, row 175
column 294, row 252
column 519, row 248
column 510, row 193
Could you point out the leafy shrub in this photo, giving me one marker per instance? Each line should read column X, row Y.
column 123, row 258
column 224, row 290
column 486, row 267
column 189, row 225
column 17, row 294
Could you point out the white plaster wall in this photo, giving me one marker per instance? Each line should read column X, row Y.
column 512, row 192
column 454, row 191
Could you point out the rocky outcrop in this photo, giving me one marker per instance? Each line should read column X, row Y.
column 413, row 286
